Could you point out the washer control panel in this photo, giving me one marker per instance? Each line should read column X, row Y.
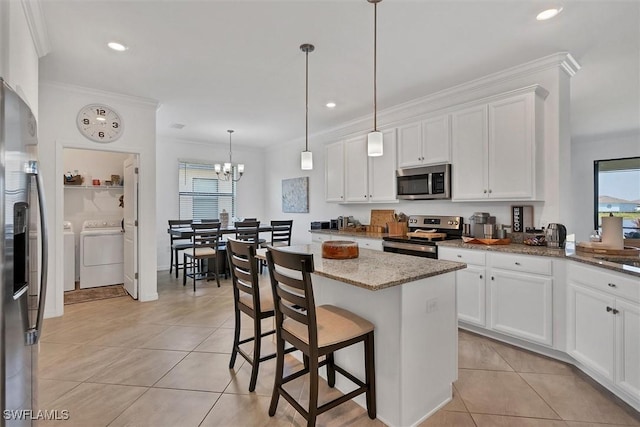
column 97, row 223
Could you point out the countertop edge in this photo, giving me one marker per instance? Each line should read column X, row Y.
column 543, row 251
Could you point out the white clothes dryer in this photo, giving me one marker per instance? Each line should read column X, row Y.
column 69, row 255
column 101, row 253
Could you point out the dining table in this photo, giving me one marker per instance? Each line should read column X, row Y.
column 187, row 232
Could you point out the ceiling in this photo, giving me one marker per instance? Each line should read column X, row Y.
column 217, row 65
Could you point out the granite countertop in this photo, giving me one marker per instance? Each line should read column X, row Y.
column 374, row 270
column 622, row 265
column 351, row 233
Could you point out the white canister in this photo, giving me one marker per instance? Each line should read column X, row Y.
column 612, row 236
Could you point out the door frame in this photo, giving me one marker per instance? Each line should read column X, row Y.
column 58, row 260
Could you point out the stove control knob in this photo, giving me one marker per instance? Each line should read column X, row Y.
column 450, row 222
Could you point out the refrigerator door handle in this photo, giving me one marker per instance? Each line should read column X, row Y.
column 33, row 334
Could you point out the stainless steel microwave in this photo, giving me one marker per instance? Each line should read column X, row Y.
column 424, row 183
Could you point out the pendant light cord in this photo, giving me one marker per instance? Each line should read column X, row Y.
column 375, row 61
column 306, row 103
column 230, row 161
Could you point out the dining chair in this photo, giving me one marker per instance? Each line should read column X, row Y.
column 251, row 299
column 178, row 243
column 281, row 232
column 204, row 247
column 316, row 332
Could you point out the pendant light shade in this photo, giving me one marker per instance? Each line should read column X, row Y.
column 374, row 144
column 374, row 138
column 306, row 157
column 306, row 160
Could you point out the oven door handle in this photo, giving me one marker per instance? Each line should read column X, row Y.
column 410, row 247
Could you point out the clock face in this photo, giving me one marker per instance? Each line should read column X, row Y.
column 99, row 123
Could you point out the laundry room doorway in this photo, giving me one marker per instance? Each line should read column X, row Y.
column 100, row 209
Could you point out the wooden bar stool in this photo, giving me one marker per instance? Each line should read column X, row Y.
column 250, row 299
column 316, row 331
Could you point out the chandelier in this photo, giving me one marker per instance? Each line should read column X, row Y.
column 225, row 172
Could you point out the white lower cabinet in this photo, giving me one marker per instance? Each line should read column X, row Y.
column 363, row 242
column 603, row 330
column 470, row 282
column 319, row 237
column 471, row 295
column 522, row 305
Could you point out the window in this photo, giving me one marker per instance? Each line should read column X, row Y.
column 617, row 192
column 201, row 194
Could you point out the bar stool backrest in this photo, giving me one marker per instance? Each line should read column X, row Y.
column 205, row 235
column 247, row 230
column 244, row 271
column 293, row 293
column 281, row 232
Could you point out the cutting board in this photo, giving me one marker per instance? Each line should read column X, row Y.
column 380, row 217
column 426, row 235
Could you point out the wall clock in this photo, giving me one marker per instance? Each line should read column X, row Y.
column 99, row 123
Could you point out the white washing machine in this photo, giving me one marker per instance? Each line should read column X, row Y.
column 69, row 257
column 101, row 253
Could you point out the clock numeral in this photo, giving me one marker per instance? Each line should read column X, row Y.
column 101, row 134
column 86, row 121
column 100, row 112
column 115, row 125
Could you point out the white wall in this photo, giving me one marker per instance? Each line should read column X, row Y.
column 59, row 106
column 250, row 198
column 583, row 154
column 546, row 72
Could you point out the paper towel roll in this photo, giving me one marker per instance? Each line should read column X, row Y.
column 612, row 232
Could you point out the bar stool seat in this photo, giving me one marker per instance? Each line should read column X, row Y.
column 335, row 325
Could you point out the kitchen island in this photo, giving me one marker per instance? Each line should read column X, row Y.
column 412, row 303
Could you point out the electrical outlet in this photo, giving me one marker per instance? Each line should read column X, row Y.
column 432, row 305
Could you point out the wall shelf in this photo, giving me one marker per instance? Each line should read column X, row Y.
column 95, row 187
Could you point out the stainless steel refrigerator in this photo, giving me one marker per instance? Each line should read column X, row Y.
column 23, row 250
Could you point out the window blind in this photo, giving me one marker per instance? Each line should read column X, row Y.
column 200, row 193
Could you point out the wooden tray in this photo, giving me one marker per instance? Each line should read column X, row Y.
column 599, row 248
column 473, row 240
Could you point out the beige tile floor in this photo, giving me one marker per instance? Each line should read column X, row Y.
column 118, row 362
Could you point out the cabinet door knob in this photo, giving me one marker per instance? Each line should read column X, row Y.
column 370, row 196
column 489, row 190
column 609, row 309
column 485, row 191
column 611, row 285
column 493, row 278
column 615, row 311
column 517, row 263
column 481, row 276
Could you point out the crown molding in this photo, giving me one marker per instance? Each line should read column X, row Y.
column 146, row 102
column 37, row 27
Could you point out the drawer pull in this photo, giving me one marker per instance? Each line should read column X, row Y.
column 609, row 309
column 459, row 256
column 611, row 285
column 517, row 263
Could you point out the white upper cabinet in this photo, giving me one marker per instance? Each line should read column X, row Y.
column 353, row 177
column 424, row 143
column 334, row 172
column 496, row 147
column 382, row 171
column 356, row 173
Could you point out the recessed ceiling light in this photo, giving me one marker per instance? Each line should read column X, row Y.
column 117, row 46
column 548, row 14
column 331, row 104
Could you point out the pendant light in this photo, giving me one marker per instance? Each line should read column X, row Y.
column 306, row 157
column 374, row 138
column 227, row 168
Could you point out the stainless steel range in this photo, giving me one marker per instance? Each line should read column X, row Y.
column 424, row 231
